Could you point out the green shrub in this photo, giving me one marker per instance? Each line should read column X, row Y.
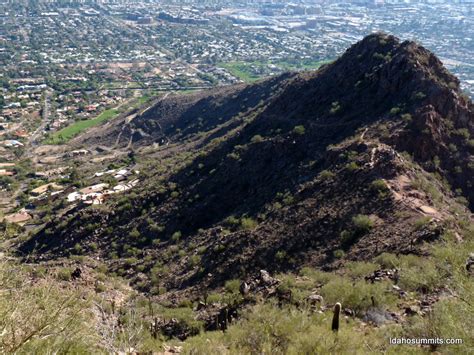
column 288, row 200
column 419, row 274
column 299, row 130
column 316, row 275
column 232, row 286
column 78, row 249
column 247, row 223
column 155, row 228
column 269, row 329
column 378, row 56
column 387, row 260
column 64, row 274
column 194, row 260
column 326, row 175
column 176, row 236
column 359, row 269
column 395, row 111
column 257, row 139
column 280, row 256
column 352, row 166
column 134, row 234
column 422, row 222
column 184, row 315
column 100, row 287
column 463, row 133
column 93, row 246
column 43, row 317
column 362, row 223
column 407, row 118
column 234, row 156
column 379, row 186
column 419, row 95
column 357, row 295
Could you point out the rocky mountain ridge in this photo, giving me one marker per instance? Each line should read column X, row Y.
column 369, row 154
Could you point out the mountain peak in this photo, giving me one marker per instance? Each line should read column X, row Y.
column 292, row 163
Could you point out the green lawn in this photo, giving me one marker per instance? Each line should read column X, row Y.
column 244, row 71
column 302, row 66
column 241, row 70
column 74, row 129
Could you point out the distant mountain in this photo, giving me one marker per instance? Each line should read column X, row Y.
column 371, row 153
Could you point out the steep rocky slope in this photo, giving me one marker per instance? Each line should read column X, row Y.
column 371, row 153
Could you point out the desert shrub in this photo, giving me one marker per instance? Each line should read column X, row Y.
column 352, row 166
column 155, row 228
column 214, row 298
column 419, row 274
column 100, row 287
column 176, row 236
column 419, row 95
column 130, row 261
column 407, row 117
column 93, row 246
column 280, row 256
column 300, row 288
column 268, row 329
column 347, row 236
column 387, row 260
column 277, row 205
column 257, row 139
column 182, row 314
column 42, row 317
column 395, row 111
column 356, row 295
column 326, row 175
column 78, row 250
column 134, row 233
column 359, row 269
column 450, row 318
column 232, row 221
column 232, row 286
column 194, row 260
column 463, row 133
column 288, row 199
column 379, row 186
column 64, row 274
column 247, row 223
column 318, row 276
column 299, row 130
column 219, row 248
column 234, row 156
column 422, row 222
column 378, row 56
column 362, row 223
column 423, row 184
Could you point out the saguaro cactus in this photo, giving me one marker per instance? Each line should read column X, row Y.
column 335, row 318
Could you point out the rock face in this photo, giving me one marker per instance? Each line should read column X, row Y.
column 311, row 168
